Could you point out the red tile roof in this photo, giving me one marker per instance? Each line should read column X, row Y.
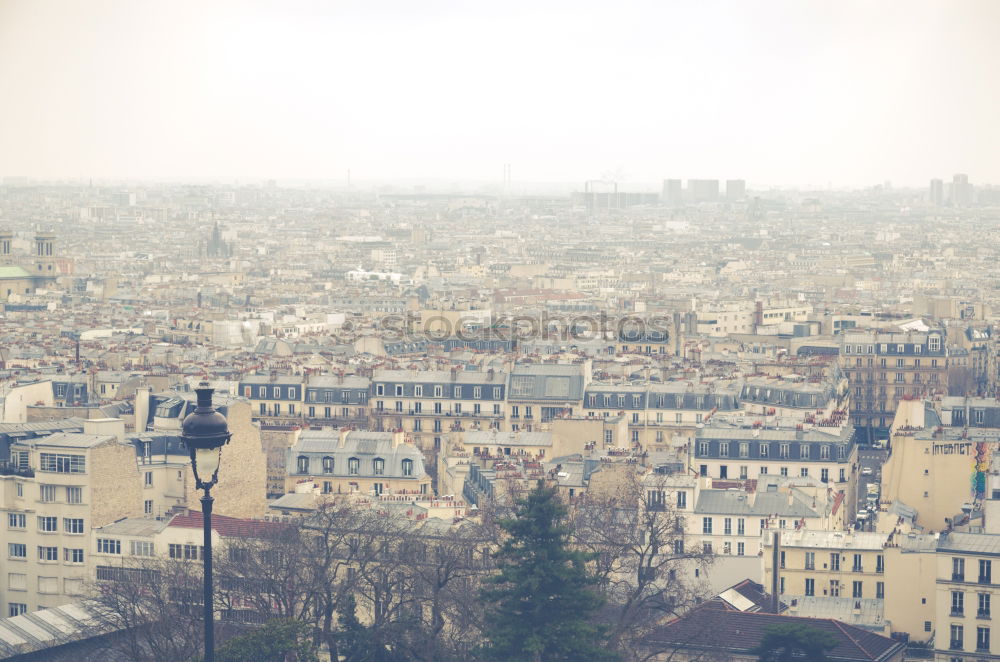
column 229, row 527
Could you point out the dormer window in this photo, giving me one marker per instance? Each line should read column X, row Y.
column 302, row 465
column 328, row 465
column 353, row 466
column 378, row 466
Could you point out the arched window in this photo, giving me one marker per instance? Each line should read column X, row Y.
column 378, row 466
column 303, row 464
column 353, row 465
column 407, row 467
column 328, row 465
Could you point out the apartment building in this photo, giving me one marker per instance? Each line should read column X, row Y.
column 336, row 400
column 725, row 451
column 883, row 369
column 427, row 404
column 540, row 392
column 275, row 399
column 828, row 564
column 966, row 591
column 733, row 521
column 54, row 492
column 346, row 461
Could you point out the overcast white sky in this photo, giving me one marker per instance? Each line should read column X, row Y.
column 779, row 93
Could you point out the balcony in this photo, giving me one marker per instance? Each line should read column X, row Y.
column 955, row 645
column 983, row 614
column 958, row 613
column 985, row 579
column 958, row 576
column 9, row 469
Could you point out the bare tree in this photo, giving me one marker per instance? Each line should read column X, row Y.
column 155, row 605
column 642, row 559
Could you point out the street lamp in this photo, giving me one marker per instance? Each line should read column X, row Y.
column 204, row 432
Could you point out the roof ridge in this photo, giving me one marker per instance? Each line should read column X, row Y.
column 841, row 627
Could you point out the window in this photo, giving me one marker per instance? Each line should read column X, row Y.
column 47, row 493
column 706, row 547
column 856, row 590
column 727, row 526
column 328, row 465
column 48, row 524
column 407, row 467
column 73, row 524
column 985, row 571
column 353, row 466
column 983, row 610
column 957, row 603
column 186, row 552
column 740, row 549
column 147, row 478
column 824, row 452
column 141, row 548
column 957, row 637
column 824, row 475
column 74, row 495
column 982, row 639
column 109, row 546
column 48, row 553
column 810, row 586
column 438, row 391
column 879, row 564
column 147, row 506
column 682, row 499
column 706, row 525
column 957, row 569
column 72, row 555
column 61, row 463
column 804, row 471
column 835, row 561
column 703, row 448
column 378, row 466
column 856, row 567
column 16, row 550
column 16, row 609
column 843, row 476
column 724, row 449
column 302, row 464
column 763, row 450
column 880, row 590
column 804, row 451
column 16, row 520
column 783, row 450
column 835, row 588
column 810, row 561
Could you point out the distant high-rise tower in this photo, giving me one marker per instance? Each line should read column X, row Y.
column 703, row 190
column 936, row 196
column 736, row 189
column 961, row 191
column 673, row 192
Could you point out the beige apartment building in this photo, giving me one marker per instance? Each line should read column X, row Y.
column 827, row 564
column 967, row 588
column 54, row 492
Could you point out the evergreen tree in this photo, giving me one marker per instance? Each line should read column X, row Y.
column 280, row 640
column 541, row 603
column 794, row 641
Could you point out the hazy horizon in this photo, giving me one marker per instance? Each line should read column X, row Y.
column 804, row 95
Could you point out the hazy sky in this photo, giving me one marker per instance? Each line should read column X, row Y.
column 793, row 93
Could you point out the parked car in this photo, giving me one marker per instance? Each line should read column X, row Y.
column 867, row 471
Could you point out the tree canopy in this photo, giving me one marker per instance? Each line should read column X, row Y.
column 540, row 604
column 788, row 641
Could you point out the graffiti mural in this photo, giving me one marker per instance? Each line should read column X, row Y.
column 979, row 469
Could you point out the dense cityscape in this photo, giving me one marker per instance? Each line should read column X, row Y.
column 708, row 371
column 448, row 331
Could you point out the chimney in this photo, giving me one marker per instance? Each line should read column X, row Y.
column 398, row 437
column 454, row 373
column 489, row 375
column 343, row 436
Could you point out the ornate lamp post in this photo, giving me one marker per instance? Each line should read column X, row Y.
column 204, row 432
